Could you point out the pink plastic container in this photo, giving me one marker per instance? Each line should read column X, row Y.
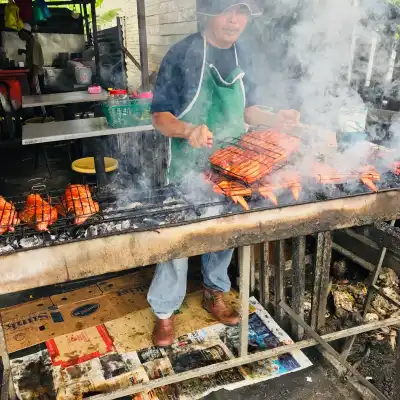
column 144, row 95
column 94, row 89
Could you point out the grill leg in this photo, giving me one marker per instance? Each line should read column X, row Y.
column 279, row 280
column 244, row 266
column 252, row 271
column 321, row 279
column 265, row 273
column 324, row 290
column 298, row 285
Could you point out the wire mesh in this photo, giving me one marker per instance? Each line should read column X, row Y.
column 254, row 155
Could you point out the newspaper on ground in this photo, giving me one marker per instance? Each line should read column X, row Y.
column 108, row 371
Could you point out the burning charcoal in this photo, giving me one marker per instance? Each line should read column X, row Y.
column 117, row 227
column 6, row 249
column 126, row 225
column 105, row 228
column 91, row 231
column 132, row 205
column 63, row 237
column 152, row 221
column 30, row 242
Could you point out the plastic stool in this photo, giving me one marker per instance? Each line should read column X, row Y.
column 86, row 166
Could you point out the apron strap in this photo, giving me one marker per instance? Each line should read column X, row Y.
column 191, row 104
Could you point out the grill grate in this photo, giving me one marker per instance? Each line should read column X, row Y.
column 254, row 155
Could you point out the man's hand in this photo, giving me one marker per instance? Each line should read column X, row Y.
column 199, row 136
column 21, row 51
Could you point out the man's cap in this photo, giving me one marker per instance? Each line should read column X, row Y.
column 27, row 27
column 216, row 7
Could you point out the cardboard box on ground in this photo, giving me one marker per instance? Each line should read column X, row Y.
column 38, row 321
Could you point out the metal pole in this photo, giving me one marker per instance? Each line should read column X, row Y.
column 317, row 279
column 144, row 60
column 265, row 272
column 324, row 289
column 279, row 278
column 333, row 352
column 95, row 38
column 299, row 283
column 237, row 362
column 86, row 18
column 252, row 270
column 244, row 266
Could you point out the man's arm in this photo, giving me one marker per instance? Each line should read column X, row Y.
column 255, row 116
column 170, row 126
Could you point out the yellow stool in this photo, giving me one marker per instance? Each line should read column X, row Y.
column 86, row 165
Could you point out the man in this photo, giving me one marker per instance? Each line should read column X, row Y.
column 202, row 94
column 34, row 59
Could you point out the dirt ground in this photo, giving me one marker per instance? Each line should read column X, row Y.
column 320, row 382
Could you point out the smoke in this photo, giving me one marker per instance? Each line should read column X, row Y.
column 320, row 57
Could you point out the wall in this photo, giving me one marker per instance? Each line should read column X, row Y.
column 168, row 21
column 128, row 14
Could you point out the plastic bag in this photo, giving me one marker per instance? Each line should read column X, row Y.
column 40, row 11
column 12, row 19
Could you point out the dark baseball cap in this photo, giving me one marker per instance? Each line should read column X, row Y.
column 217, row 7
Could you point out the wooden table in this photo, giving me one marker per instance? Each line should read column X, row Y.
column 55, row 99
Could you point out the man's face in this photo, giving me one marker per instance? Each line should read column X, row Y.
column 227, row 27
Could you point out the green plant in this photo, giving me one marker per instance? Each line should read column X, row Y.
column 107, row 17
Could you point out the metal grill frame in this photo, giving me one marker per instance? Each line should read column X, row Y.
column 366, row 207
column 239, row 143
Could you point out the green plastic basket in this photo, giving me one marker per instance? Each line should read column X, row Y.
column 136, row 113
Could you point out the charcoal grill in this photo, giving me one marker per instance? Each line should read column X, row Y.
column 151, row 210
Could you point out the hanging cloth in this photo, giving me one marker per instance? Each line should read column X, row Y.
column 12, row 20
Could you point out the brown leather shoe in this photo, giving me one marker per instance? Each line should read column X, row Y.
column 164, row 333
column 214, row 303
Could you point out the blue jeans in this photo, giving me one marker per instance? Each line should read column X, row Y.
column 168, row 288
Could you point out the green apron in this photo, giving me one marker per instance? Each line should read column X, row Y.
column 220, row 105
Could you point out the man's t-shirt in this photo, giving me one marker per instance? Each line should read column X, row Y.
column 34, row 55
column 180, row 71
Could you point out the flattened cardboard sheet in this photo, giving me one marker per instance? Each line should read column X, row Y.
column 134, row 331
column 76, row 295
column 78, row 347
column 40, row 320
